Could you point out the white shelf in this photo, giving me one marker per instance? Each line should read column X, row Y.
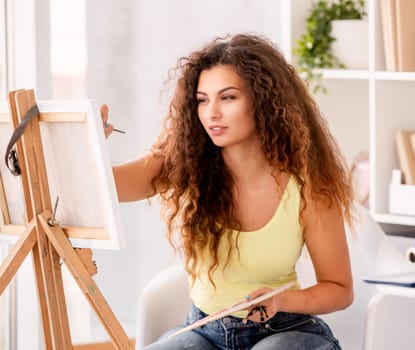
column 393, row 219
column 345, row 74
column 370, row 104
column 394, row 76
column 360, row 74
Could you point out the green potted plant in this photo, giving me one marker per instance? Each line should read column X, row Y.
column 314, row 48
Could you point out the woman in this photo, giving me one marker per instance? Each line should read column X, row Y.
column 248, row 173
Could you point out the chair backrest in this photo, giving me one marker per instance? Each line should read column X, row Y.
column 163, row 304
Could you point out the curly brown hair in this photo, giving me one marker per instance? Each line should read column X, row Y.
column 293, row 135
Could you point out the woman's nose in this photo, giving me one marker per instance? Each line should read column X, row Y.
column 213, row 112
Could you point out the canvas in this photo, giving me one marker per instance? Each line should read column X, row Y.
column 79, row 173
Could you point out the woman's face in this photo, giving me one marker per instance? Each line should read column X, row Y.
column 224, row 107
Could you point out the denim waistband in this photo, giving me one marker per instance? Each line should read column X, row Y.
column 230, row 333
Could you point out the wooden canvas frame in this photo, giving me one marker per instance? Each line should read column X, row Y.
column 79, row 173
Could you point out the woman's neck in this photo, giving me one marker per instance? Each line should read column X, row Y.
column 246, row 163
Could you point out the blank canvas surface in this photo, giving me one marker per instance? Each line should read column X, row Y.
column 79, row 173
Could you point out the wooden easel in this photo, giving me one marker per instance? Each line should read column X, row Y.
column 49, row 244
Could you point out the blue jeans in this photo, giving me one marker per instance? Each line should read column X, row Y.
column 284, row 331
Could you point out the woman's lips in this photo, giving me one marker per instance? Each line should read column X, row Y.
column 217, row 130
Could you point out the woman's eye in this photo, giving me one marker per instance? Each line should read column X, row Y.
column 200, row 100
column 228, row 97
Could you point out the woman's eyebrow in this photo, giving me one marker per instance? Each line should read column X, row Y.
column 221, row 90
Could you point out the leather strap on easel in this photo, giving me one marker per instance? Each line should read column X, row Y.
column 11, row 157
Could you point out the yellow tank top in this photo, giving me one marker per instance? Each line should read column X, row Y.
column 264, row 258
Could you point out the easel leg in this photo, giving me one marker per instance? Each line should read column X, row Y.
column 60, row 297
column 20, row 250
column 63, row 247
column 16, row 256
column 47, row 333
column 50, row 287
column 10, row 266
column 37, row 197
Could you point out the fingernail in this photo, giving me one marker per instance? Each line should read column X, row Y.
column 106, row 125
column 247, row 297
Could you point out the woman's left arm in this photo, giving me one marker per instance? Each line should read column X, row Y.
column 326, row 241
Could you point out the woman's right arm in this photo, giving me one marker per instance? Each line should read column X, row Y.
column 134, row 179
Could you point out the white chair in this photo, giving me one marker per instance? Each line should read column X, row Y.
column 164, row 302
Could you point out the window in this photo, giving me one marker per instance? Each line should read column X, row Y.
column 6, row 300
column 68, row 48
column 25, row 37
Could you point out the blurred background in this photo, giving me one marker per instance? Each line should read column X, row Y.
column 118, row 53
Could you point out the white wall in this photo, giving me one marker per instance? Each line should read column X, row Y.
column 131, row 46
